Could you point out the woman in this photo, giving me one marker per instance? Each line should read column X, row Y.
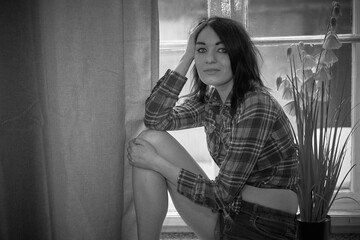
column 248, row 136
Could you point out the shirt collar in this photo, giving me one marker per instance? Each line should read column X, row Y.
column 214, row 99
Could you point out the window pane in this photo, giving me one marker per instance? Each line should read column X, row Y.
column 178, row 17
column 275, row 63
column 295, row 17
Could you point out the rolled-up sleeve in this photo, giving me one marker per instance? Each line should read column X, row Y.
column 162, row 111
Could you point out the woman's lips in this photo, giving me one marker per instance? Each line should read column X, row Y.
column 211, row 71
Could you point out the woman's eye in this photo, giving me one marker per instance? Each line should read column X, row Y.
column 222, row 50
column 201, row 50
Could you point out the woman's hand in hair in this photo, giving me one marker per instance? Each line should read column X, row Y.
column 188, row 57
column 194, row 32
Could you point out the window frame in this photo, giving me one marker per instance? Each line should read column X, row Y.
column 345, row 213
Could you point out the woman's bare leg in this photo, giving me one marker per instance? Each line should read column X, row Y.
column 150, row 192
column 151, row 202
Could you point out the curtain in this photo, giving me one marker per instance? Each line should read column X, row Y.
column 74, row 76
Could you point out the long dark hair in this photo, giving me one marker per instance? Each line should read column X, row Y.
column 243, row 57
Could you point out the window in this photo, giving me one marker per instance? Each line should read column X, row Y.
column 265, row 20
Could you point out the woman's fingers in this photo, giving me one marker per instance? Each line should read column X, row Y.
column 137, row 146
column 197, row 28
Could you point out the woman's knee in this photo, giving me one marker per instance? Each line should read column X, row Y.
column 169, row 148
column 155, row 137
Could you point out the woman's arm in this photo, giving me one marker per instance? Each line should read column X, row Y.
column 161, row 113
column 188, row 57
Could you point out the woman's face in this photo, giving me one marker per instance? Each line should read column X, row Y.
column 212, row 61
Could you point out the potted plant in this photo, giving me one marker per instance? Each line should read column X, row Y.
column 318, row 130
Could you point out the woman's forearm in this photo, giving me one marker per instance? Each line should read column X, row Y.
column 184, row 64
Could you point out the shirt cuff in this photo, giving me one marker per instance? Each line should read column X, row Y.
column 186, row 183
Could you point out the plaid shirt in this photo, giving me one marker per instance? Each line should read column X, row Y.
column 255, row 146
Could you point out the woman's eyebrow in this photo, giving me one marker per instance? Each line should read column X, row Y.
column 202, row 43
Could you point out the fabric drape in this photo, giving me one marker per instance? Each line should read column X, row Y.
column 74, row 76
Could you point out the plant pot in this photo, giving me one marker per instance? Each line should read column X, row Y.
column 314, row 230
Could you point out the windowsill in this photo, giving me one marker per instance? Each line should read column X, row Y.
column 345, row 213
column 174, row 223
column 349, row 223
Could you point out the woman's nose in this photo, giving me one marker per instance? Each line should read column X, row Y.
column 210, row 57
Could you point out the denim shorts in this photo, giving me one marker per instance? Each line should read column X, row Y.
column 255, row 222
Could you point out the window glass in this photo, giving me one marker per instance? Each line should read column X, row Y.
column 178, row 17
column 294, row 18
